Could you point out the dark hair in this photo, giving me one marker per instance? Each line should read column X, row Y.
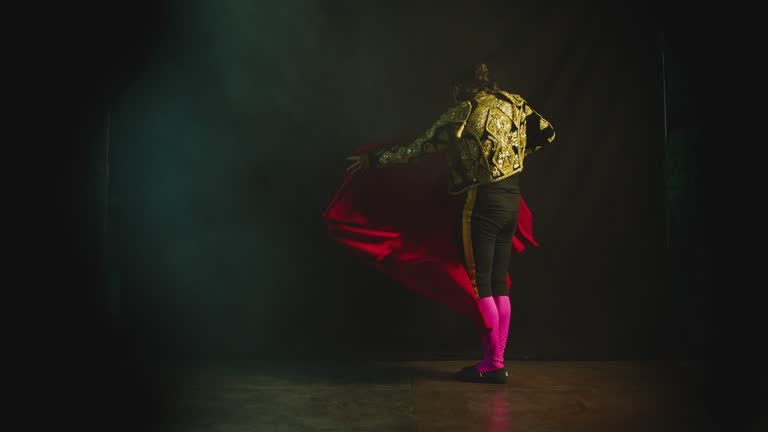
column 473, row 81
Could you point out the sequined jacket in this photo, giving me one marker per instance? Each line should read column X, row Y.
column 486, row 138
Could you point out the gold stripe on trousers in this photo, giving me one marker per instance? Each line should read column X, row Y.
column 466, row 235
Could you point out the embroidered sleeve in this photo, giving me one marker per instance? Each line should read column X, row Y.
column 539, row 131
column 450, row 125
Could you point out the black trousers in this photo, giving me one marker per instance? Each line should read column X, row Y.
column 488, row 223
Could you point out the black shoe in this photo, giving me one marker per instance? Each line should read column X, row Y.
column 471, row 374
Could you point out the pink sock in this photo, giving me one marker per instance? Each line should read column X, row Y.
column 504, row 311
column 490, row 340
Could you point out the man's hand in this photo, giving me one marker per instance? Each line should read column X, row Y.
column 359, row 163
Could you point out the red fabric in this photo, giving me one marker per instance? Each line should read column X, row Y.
column 403, row 222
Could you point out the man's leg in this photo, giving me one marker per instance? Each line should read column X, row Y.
column 499, row 287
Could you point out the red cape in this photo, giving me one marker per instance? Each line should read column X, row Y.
column 403, row 222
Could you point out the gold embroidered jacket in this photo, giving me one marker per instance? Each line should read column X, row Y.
column 486, row 138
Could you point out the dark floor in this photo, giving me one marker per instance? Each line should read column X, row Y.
column 422, row 396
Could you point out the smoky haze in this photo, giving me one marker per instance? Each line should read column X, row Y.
column 230, row 141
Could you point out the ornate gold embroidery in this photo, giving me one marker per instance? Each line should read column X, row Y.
column 498, row 125
column 491, row 145
column 401, row 155
column 477, row 121
column 516, row 99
